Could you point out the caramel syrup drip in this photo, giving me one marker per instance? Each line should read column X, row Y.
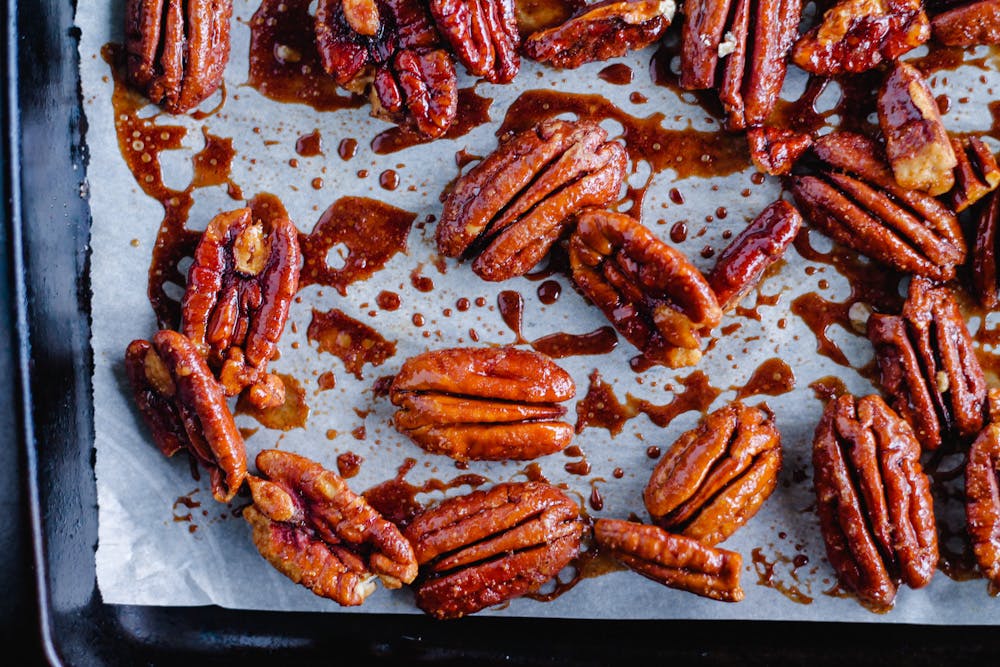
column 293, row 413
column 600, row 408
column 473, row 111
column 828, row 388
column 396, row 499
column 354, row 342
column 511, row 307
column 856, row 102
column 309, row 145
column 766, row 575
column 698, row 394
column 773, row 378
column 349, row 464
column 590, row 563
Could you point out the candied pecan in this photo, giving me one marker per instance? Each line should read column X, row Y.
column 928, row 367
column 648, row 290
column 985, row 280
column 855, row 199
column 762, row 243
column 483, row 403
column 775, row 150
column 511, row 207
column 601, row 31
column 982, row 496
column 239, row 289
column 717, row 475
column 976, row 174
column 673, row 560
column 184, row 408
column 483, row 34
column 362, row 16
column 491, row 546
column 873, row 499
column 177, row 50
column 968, row 25
column 856, row 35
column 317, row 532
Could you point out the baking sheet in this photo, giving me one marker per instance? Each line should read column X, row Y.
column 164, row 541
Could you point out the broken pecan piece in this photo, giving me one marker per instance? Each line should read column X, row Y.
column 177, row 50
column 873, row 499
column 982, row 497
column 511, row 207
column 976, row 174
column 761, row 244
column 483, row 34
column 717, row 475
column 239, row 289
column 928, row 367
column 185, row 408
column 969, row 25
column 317, row 532
column 985, row 279
column 775, row 150
column 601, row 31
column 648, row 290
column 485, row 548
column 673, row 560
column 854, row 199
column 483, row 403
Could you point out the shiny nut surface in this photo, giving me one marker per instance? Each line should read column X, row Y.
column 969, row 24
column 985, row 279
column 982, row 497
column 483, row 34
column 976, row 171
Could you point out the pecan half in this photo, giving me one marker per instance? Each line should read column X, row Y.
column 873, row 499
column 317, row 532
column 239, row 289
column 744, row 261
column 483, row 35
column 184, row 408
column 976, row 174
column 483, row 403
column 982, row 497
column 717, row 475
column 491, row 546
column 855, row 199
column 177, row 50
column 928, row 367
column 968, row 25
column 775, row 150
column 985, row 279
column 601, row 31
column 511, row 207
column 673, row 560
column 648, row 290
column 856, row 35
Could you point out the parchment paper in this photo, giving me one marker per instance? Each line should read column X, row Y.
column 155, row 551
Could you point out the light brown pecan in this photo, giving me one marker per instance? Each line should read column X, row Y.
column 873, row 499
column 716, row 476
column 648, row 290
column 775, row 150
column 976, row 174
column 854, row 199
column 672, row 560
column 510, row 208
column 968, row 25
column 762, row 243
column 483, row 34
column 985, row 279
column 491, row 546
column 185, row 408
column 856, row 35
column 600, row 31
column 483, row 403
column 177, row 50
column 982, row 496
column 928, row 367
column 239, row 289
column 363, row 16
column 317, row 532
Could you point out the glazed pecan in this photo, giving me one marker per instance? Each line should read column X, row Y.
column 916, row 142
column 744, row 261
column 775, row 150
column 483, row 35
column 856, row 35
column 239, row 289
column 976, row 174
column 717, row 475
column 362, row 16
column 648, row 290
column 968, row 25
column 985, row 279
column 601, row 31
column 873, row 499
column 928, row 367
column 982, row 497
column 491, row 546
column 672, row 560
column 855, row 199
column 317, row 532
column 184, row 408
column 483, row 403
column 177, row 51
column 511, row 207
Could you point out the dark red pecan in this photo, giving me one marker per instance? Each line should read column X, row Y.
column 648, row 290
column 976, row 174
column 928, row 367
column 239, row 289
column 511, row 207
column 985, row 279
column 982, row 497
column 600, row 31
column 184, row 408
column 968, row 25
column 177, row 50
column 775, row 150
column 491, row 546
column 317, row 532
column 762, row 243
column 873, row 499
column 483, row 403
column 483, row 35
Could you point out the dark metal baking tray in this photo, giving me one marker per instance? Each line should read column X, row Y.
column 46, row 157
